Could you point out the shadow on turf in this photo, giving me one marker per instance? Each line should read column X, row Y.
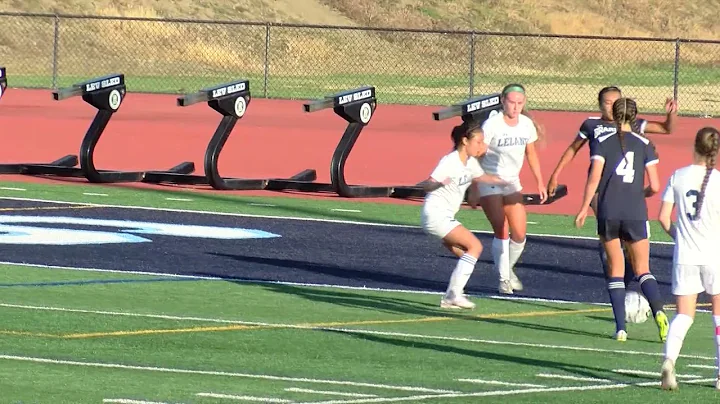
column 581, row 370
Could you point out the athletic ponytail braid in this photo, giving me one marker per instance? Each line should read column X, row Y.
column 624, row 111
column 707, row 143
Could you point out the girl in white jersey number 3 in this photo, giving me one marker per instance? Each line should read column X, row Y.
column 695, row 190
column 446, row 189
column 510, row 137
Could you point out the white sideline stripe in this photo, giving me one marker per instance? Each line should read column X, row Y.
column 702, row 366
column 499, row 383
column 574, row 378
column 13, row 189
column 94, row 194
column 244, row 398
column 346, row 210
column 532, row 222
column 328, row 393
column 307, row 219
column 646, row 373
column 501, row 393
column 317, row 285
column 261, row 204
column 179, row 199
column 220, row 373
column 358, row 331
column 129, row 401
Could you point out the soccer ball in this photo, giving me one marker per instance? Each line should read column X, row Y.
column 637, row 308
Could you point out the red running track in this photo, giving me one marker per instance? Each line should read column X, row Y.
column 277, row 138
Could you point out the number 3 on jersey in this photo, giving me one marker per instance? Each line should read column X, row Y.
column 694, row 195
column 626, row 168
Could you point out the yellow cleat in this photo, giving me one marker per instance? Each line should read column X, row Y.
column 663, row 325
column 621, row 336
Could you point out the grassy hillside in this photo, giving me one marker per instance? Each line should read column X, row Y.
column 406, row 67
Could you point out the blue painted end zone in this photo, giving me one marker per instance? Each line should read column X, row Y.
column 316, row 252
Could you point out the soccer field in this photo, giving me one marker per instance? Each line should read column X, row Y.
column 306, row 304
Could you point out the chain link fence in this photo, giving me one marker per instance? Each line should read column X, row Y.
column 406, row 66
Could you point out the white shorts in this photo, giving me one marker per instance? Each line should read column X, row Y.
column 504, row 190
column 438, row 224
column 695, row 279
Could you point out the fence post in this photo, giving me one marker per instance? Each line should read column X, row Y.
column 267, row 59
column 676, row 69
column 56, row 39
column 472, row 64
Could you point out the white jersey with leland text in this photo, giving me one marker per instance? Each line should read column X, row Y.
column 506, row 146
column 448, row 198
column 697, row 240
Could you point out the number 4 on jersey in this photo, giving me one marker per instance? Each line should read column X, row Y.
column 626, row 168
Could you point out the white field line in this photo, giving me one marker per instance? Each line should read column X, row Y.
column 269, row 205
column 129, row 401
column 327, row 393
column 501, row 393
column 356, row 331
column 179, row 199
column 94, row 194
column 500, row 383
column 317, row 285
column 225, row 374
column 346, row 210
column 657, row 374
column 573, row 378
column 306, row 219
column 703, row 367
column 244, row 398
column 13, row 189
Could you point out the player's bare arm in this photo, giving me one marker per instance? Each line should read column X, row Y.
column 667, row 127
column 432, row 184
column 665, row 218
column 534, row 163
column 566, row 158
column 653, row 181
column 590, row 188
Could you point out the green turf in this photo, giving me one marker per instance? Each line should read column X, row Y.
column 370, row 212
column 327, row 342
column 269, row 340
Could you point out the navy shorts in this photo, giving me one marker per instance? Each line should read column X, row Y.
column 625, row 230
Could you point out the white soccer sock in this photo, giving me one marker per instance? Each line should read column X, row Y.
column 516, row 250
column 501, row 256
column 461, row 275
column 716, row 319
column 679, row 327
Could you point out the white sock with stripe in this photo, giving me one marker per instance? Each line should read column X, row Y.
column 716, row 320
column 501, row 256
column 461, row 275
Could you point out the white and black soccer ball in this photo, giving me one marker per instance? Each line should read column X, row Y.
column 637, row 308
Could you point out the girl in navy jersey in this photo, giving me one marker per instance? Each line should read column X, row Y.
column 592, row 128
column 446, row 189
column 620, row 161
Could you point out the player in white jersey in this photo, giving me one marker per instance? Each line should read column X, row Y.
column 695, row 191
column 510, row 137
column 445, row 191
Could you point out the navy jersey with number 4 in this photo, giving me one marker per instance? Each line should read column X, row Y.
column 621, row 192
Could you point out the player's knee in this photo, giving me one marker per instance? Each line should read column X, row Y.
column 475, row 248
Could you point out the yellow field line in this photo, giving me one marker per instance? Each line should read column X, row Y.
column 309, row 326
column 324, row 325
column 47, row 208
